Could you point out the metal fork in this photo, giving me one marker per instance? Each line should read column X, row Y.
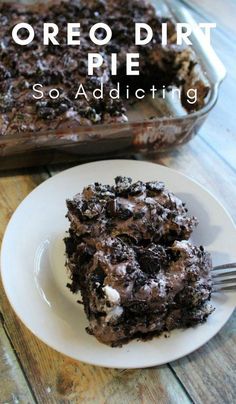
column 225, row 279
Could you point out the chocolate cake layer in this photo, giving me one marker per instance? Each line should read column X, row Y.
column 64, row 67
column 138, row 292
column 127, row 255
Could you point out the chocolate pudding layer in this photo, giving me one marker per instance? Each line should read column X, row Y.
column 135, row 212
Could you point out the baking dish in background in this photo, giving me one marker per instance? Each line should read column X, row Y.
column 153, row 125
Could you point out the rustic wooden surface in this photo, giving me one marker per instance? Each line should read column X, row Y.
column 31, row 372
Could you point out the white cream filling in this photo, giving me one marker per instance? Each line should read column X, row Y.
column 111, row 294
column 114, row 313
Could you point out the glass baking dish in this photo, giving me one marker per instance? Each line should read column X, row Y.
column 153, row 126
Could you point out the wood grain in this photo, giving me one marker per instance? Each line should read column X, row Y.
column 223, row 13
column 13, row 188
column 14, row 387
column 209, row 374
column 200, row 162
column 219, row 129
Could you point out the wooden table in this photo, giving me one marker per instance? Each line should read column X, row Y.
column 32, row 372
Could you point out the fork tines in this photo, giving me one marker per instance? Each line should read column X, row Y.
column 225, row 279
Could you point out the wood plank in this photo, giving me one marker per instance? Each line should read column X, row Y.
column 55, row 378
column 14, row 187
column 209, row 374
column 223, row 13
column 219, row 129
column 200, row 162
column 13, row 385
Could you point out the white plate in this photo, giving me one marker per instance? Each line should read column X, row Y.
column 35, row 279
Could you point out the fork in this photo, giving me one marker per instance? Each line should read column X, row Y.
column 218, row 281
